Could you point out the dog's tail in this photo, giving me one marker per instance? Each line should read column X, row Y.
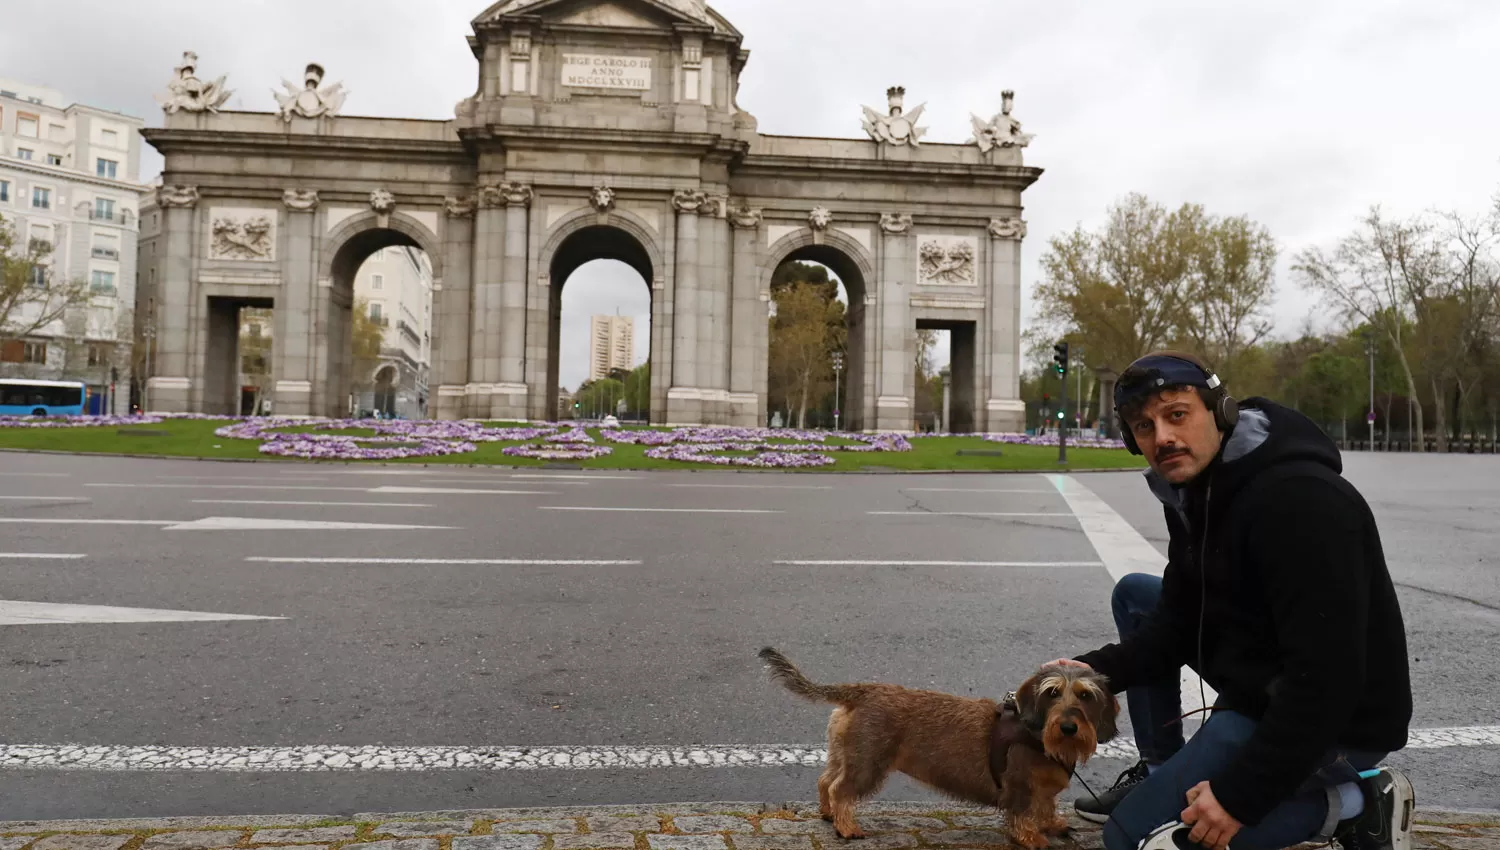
column 786, row 674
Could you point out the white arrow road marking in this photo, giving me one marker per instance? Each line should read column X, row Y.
column 327, row 759
column 52, row 613
column 1125, row 551
column 235, row 523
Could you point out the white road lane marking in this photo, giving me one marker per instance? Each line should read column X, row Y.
column 45, row 499
column 481, row 562
column 858, row 563
column 61, row 521
column 311, row 504
column 52, row 613
column 232, row 487
column 456, row 491
column 235, row 523
column 659, row 510
column 543, row 476
column 1125, row 551
column 753, row 486
column 333, row 758
column 36, row 474
column 1058, row 514
column 42, row 556
column 972, row 490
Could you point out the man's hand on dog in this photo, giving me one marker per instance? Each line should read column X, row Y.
column 1068, row 662
column 1212, row 826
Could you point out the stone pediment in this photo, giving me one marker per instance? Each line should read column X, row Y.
column 633, row 14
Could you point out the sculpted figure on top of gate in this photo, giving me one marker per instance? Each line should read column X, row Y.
column 310, row 101
column 897, row 128
column 1002, row 131
column 189, row 94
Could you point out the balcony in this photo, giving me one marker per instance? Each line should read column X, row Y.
column 109, row 215
column 103, row 290
column 39, row 246
column 102, row 253
column 408, row 331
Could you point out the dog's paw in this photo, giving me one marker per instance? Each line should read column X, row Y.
column 853, row 835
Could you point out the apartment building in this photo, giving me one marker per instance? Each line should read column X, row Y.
column 611, row 345
column 70, row 187
column 395, row 287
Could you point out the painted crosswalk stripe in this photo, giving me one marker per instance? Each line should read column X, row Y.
column 329, row 759
column 42, row 556
column 659, row 510
column 310, row 504
column 480, row 562
column 858, row 563
column 13, row 613
column 1124, row 551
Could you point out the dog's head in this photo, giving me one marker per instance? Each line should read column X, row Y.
column 1071, row 709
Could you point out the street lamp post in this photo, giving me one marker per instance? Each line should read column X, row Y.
column 838, row 370
column 1370, row 416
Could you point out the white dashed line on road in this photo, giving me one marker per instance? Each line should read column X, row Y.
column 329, row 759
column 41, row 556
column 311, row 504
column 236, row 523
column 54, row 614
column 754, row 486
column 661, row 510
column 232, row 487
column 971, row 490
column 1058, row 514
column 454, row 491
column 460, row 562
column 856, row 563
column 60, row 521
column 45, row 499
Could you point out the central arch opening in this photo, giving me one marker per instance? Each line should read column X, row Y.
column 379, row 328
column 601, row 300
column 816, row 359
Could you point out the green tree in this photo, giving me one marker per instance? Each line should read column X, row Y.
column 807, row 326
column 31, row 297
column 367, row 338
column 637, row 392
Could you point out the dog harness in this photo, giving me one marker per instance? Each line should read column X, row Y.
column 1007, row 731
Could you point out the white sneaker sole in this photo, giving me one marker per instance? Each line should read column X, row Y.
column 1406, row 800
column 1091, row 817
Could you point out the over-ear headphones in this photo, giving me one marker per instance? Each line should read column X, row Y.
column 1225, row 408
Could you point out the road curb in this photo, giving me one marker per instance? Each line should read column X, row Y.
column 574, row 467
column 790, row 810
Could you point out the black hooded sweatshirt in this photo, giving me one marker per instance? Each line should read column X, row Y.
column 1276, row 559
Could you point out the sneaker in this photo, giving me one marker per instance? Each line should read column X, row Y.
column 1385, row 824
column 1098, row 808
column 1173, row 836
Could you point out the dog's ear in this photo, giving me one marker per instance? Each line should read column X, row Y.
column 1105, row 725
column 1031, row 705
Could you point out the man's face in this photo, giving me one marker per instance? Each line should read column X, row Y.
column 1177, row 434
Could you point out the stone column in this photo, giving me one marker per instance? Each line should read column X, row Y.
column 170, row 385
column 509, row 400
column 713, row 309
column 1004, row 410
column 684, row 399
column 291, row 346
column 747, row 347
column 484, row 301
column 896, row 331
column 451, row 308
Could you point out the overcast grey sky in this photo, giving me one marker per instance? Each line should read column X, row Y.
column 1299, row 114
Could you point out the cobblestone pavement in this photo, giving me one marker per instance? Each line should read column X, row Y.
column 705, row 826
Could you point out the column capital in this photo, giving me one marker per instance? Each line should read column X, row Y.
column 177, row 195
column 716, row 206
column 517, row 194
column 1008, row 228
column 459, row 207
column 688, row 200
column 300, row 200
column 895, row 222
column 745, row 217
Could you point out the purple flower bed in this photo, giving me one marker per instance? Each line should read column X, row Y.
column 1051, row 440
column 76, row 421
column 575, row 451
column 330, row 447
column 766, row 458
column 776, row 448
column 576, row 436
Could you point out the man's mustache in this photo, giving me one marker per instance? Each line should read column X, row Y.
column 1168, row 453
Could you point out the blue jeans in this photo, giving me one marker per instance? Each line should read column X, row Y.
column 1310, row 814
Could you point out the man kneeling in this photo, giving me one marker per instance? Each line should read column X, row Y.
column 1276, row 592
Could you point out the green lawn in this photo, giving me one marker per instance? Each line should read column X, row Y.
column 195, row 438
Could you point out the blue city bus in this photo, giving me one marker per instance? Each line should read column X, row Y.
column 19, row 397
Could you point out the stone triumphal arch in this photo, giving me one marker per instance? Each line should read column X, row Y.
column 600, row 129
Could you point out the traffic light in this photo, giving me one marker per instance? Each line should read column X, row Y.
column 1061, row 357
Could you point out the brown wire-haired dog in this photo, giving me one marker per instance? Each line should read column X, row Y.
column 1058, row 718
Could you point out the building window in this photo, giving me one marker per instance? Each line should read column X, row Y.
column 34, row 352
column 41, row 199
column 38, row 276
column 26, row 125
column 107, row 168
column 102, row 283
column 4, row 191
column 25, row 153
column 106, row 246
column 375, row 313
column 104, row 209
column 377, row 281
column 98, row 354
column 109, row 138
column 54, row 159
